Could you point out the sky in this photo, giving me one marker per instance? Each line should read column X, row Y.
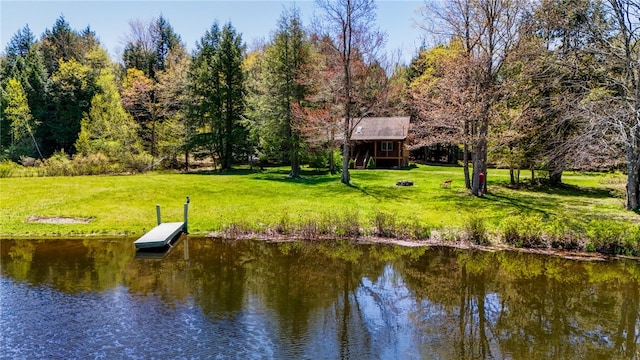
column 254, row 19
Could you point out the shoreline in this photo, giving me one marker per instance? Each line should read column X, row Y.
column 433, row 241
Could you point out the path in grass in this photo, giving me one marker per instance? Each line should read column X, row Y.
column 125, row 205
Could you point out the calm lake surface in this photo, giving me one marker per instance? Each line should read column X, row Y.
column 207, row 298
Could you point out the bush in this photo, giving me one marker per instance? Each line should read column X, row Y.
column 348, row 225
column 58, row 164
column 352, row 164
column 523, row 231
column 8, row 168
column 475, row 230
column 371, row 164
column 613, row 237
column 92, row 164
column 565, row 234
column 138, row 162
column 318, row 160
column 385, row 224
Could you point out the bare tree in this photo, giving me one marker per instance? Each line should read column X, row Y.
column 613, row 108
column 488, row 30
column 355, row 39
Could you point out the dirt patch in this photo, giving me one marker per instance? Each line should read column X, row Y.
column 58, row 220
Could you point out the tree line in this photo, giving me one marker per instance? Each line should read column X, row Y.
column 551, row 85
column 284, row 99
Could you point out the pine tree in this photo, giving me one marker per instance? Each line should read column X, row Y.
column 286, row 86
column 218, row 95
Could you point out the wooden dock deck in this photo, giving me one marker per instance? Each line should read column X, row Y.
column 160, row 236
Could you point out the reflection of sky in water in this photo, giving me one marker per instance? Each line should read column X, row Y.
column 45, row 323
column 115, row 324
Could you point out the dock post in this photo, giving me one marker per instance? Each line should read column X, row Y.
column 186, row 216
column 158, row 214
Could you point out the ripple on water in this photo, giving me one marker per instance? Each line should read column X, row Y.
column 117, row 324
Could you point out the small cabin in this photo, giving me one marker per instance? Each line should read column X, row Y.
column 381, row 138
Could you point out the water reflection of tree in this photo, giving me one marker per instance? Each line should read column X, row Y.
column 485, row 305
column 18, row 255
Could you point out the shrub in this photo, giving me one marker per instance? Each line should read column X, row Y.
column 523, row 231
column 8, row 168
column 138, row 162
column 58, row 164
column 352, row 164
column 384, row 224
column 318, row 160
column 92, row 164
column 348, row 224
column 565, row 233
column 475, row 230
column 608, row 236
column 371, row 164
column 337, row 160
column 612, row 237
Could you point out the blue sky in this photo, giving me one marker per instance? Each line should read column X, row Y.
column 255, row 19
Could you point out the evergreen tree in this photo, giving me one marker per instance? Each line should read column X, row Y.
column 218, row 95
column 62, row 43
column 23, row 61
column 286, row 85
column 72, row 88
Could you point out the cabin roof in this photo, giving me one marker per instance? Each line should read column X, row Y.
column 381, row 128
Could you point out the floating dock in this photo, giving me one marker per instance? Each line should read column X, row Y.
column 164, row 233
column 160, row 235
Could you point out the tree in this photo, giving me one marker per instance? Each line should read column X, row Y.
column 612, row 108
column 23, row 61
column 217, row 95
column 441, row 100
column 286, row 84
column 107, row 128
column 349, row 25
column 156, row 60
column 72, row 88
column 62, row 43
column 16, row 110
column 149, row 45
column 488, row 31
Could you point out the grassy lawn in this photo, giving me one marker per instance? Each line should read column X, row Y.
column 125, row 205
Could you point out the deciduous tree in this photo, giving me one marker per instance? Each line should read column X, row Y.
column 349, row 26
column 488, row 31
column 16, row 110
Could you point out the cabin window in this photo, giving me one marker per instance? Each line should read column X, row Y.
column 359, row 130
column 386, row 146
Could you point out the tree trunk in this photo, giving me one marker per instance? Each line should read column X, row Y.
column 186, row 160
column 465, row 161
column 512, row 177
column 479, row 162
column 295, row 162
column 345, row 177
column 633, row 176
column 465, row 156
column 555, row 178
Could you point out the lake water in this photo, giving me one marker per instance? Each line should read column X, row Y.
column 207, row 298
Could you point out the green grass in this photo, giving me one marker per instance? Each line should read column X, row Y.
column 125, row 205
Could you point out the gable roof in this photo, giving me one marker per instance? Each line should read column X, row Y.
column 381, row 128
